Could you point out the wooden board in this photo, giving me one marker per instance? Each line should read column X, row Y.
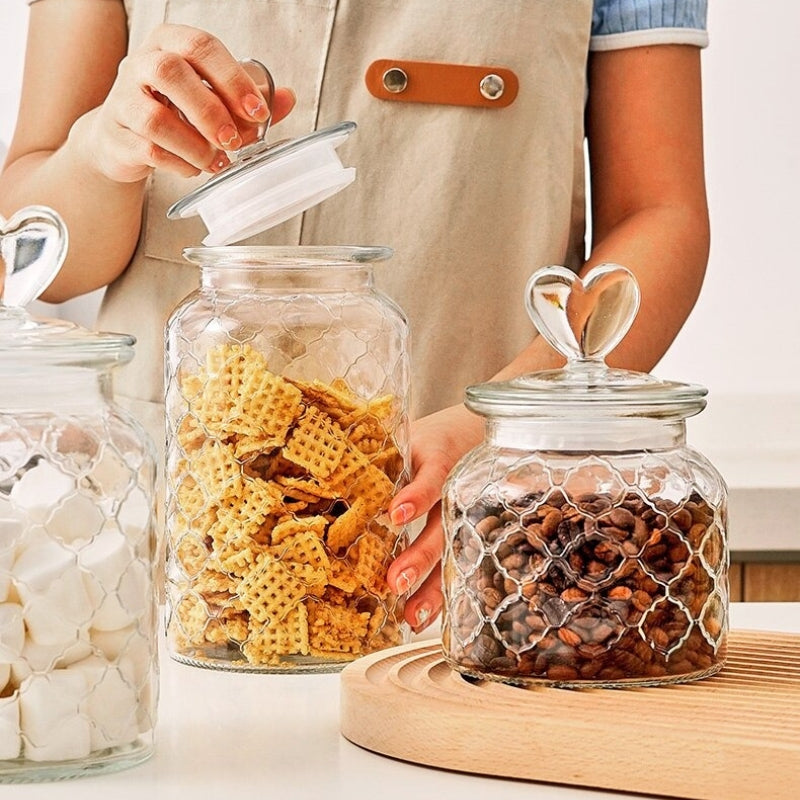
column 733, row 735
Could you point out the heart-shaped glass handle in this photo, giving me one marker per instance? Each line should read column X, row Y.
column 33, row 245
column 584, row 319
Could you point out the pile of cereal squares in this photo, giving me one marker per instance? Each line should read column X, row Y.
column 278, row 541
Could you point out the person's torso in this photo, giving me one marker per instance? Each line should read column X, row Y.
column 472, row 200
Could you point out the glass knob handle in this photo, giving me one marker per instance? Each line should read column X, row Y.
column 584, row 319
column 263, row 78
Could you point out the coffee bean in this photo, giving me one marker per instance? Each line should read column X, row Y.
column 551, row 522
column 570, row 638
column 573, row 595
column 683, row 519
column 486, row 524
column 622, row 518
column 491, row 598
column 561, row 672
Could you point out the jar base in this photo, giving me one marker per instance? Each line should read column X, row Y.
column 115, row 759
column 525, row 682
column 303, row 665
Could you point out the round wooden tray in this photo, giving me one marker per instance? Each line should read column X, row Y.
column 733, row 735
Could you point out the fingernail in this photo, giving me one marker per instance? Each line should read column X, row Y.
column 422, row 617
column 229, row 138
column 253, row 105
column 219, row 164
column 405, row 580
column 402, row 514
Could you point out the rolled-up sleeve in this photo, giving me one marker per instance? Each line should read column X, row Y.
column 617, row 24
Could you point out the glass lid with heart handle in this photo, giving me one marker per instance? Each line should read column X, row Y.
column 266, row 184
column 584, row 320
column 33, row 246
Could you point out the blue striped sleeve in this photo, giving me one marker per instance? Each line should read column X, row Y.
column 635, row 23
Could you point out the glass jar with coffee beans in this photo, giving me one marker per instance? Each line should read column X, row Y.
column 586, row 542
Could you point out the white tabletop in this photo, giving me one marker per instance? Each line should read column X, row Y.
column 277, row 736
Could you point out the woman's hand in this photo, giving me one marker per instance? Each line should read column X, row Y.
column 438, row 441
column 178, row 103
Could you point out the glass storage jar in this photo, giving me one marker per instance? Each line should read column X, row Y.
column 287, row 380
column 78, row 656
column 585, row 540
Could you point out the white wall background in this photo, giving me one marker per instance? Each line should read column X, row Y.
column 743, row 339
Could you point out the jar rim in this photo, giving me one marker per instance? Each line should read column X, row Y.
column 269, row 256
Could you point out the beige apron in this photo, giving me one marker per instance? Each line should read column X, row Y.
column 472, row 200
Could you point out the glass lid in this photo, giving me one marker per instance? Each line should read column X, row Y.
column 584, row 320
column 269, row 186
column 29, row 342
column 33, row 245
column 266, row 184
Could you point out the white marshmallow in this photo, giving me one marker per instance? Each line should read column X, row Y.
column 40, row 489
column 12, row 523
column 111, row 703
column 119, row 586
column 12, row 528
column 10, row 741
column 76, row 518
column 111, row 644
column 135, row 655
column 51, row 587
column 137, row 660
column 19, row 671
column 12, row 632
column 53, row 718
column 135, row 517
column 45, row 657
column 130, row 650
column 110, row 475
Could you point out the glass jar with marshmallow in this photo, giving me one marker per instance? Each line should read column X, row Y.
column 78, row 664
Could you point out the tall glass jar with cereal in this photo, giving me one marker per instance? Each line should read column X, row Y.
column 287, row 434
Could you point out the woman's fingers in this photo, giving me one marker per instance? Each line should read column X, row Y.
column 213, row 63
column 424, row 606
column 185, row 102
column 414, row 564
column 438, row 441
column 423, row 492
column 418, row 570
column 163, row 126
column 282, row 103
column 175, row 79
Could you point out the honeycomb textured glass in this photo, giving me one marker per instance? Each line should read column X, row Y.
column 587, row 569
column 78, row 661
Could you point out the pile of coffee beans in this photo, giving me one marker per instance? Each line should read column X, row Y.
column 586, row 590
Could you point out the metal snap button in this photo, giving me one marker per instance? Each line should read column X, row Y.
column 395, row 80
column 492, row 87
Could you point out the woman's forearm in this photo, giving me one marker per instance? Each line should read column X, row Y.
column 666, row 248
column 102, row 216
